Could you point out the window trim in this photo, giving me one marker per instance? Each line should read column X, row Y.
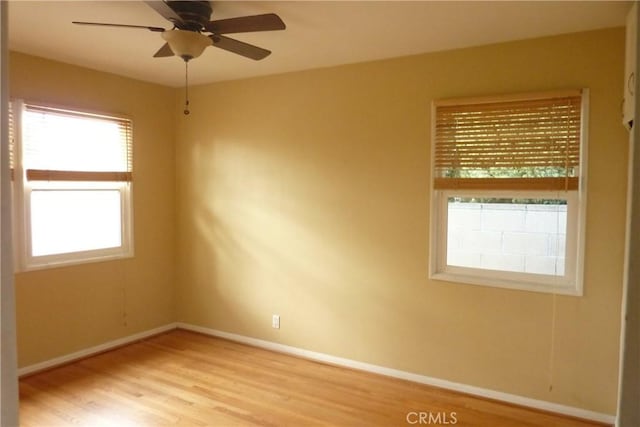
column 21, row 192
column 577, row 199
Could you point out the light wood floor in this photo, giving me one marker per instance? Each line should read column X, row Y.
column 187, row 379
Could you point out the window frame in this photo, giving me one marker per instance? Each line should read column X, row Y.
column 572, row 281
column 21, row 193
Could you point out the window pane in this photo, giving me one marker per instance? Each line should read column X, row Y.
column 519, row 235
column 64, row 221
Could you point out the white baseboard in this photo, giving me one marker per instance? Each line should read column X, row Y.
column 422, row 379
column 57, row 361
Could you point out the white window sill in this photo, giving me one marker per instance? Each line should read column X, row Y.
column 506, row 283
column 36, row 265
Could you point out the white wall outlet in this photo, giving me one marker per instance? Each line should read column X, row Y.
column 275, row 321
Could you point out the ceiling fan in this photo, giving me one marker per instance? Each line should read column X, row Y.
column 191, row 21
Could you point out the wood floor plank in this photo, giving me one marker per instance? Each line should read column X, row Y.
column 182, row 378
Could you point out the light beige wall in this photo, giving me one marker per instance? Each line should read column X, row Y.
column 63, row 310
column 307, row 195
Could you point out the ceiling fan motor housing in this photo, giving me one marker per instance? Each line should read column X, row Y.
column 195, row 14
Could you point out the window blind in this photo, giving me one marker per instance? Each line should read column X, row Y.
column 12, row 143
column 528, row 143
column 98, row 149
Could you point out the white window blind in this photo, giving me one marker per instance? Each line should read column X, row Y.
column 12, row 160
column 60, row 145
column 531, row 143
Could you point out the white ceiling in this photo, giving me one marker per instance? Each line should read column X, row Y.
column 318, row 34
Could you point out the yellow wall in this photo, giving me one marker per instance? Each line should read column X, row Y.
column 63, row 310
column 307, row 195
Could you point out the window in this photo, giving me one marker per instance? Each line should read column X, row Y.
column 72, row 175
column 508, row 191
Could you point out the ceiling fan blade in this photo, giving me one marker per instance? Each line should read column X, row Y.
column 165, row 11
column 245, row 24
column 164, row 51
column 241, row 48
column 154, row 29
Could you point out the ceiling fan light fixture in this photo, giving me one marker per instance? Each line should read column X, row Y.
column 186, row 44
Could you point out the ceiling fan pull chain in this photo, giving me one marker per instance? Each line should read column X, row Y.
column 186, row 88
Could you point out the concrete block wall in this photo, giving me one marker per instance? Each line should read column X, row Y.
column 527, row 238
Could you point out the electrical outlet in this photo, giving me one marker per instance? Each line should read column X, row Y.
column 275, row 321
